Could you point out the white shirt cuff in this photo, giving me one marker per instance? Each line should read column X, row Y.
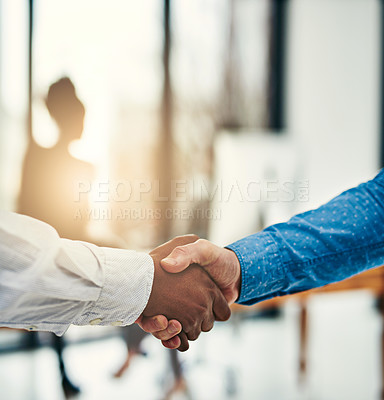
column 128, row 278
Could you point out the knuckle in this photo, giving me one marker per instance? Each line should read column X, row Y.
column 192, row 336
column 208, row 326
column 208, row 323
column 194, row 332
column 157, row 335
column 187, row 323
column 204, row 244
column 226, row 314
column 180, row 251
column 152, row 326
column 147, row 327
column 163, row 335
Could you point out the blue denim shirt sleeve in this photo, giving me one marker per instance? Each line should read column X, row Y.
column 340, row 239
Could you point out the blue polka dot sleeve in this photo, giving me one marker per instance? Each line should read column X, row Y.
column 340, row 239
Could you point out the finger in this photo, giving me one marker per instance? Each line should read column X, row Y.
column 173, row 343
column 207, row 324
column 220, row 307
column 193, row 335
column 153, row 324
column 184, row 346
column 200, row 252
column 174, row 327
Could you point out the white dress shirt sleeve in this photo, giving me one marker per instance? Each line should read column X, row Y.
column 48, row 283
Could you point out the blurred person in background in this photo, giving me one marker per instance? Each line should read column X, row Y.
column 47, row 185
column 49, row 175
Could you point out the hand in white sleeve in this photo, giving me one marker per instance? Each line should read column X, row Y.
column 48, row 283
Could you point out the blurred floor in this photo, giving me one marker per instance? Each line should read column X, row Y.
column 254, row 359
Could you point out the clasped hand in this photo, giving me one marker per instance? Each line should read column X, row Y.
column 187, row 298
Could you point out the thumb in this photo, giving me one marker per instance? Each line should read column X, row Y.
column 177, row 261
column 183, row 256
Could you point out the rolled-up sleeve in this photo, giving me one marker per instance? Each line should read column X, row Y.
column 48, row 283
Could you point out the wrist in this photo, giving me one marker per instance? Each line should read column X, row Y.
column 234, row 265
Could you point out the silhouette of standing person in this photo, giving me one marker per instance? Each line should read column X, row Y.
column 50, row 176
column 48, row 182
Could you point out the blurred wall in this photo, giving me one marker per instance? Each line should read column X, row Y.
column 333, row 91
column 331, row 140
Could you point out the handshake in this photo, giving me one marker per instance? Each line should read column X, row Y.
column 194, row 283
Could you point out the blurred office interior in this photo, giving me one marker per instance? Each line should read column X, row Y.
column 215, row 117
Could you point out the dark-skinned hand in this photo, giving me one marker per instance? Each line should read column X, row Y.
column 190, row 297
